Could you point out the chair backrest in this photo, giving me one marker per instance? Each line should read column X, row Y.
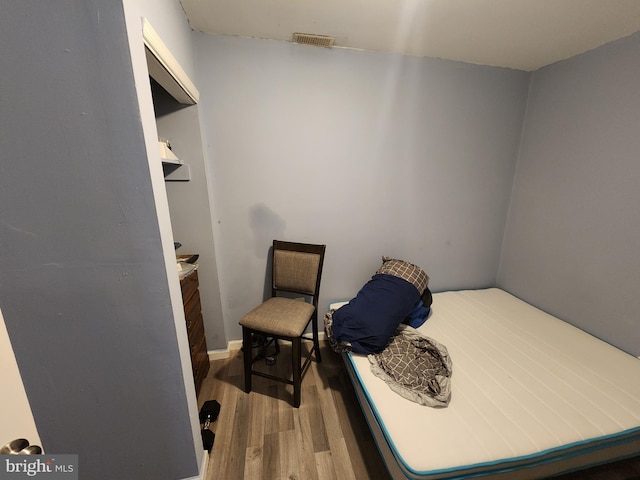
column 297, row 268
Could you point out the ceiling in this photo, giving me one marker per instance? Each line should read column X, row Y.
column 520, row 34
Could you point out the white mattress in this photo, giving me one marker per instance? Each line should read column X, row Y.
column 529, row 392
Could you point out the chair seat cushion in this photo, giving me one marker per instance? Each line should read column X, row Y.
column 279, row 316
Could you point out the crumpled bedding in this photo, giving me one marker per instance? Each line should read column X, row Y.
column 416, row 367
column 367, row 322
column 338, row 346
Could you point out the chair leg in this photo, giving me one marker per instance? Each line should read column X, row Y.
column 248, row 353
column 316, row 342
column 296, row 363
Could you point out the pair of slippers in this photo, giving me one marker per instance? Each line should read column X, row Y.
column 209, row 413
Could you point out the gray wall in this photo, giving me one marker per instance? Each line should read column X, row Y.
column 371, row 153
column 83, row 284
column 573, row 236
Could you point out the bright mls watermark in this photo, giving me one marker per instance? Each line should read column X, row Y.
column 50, row 467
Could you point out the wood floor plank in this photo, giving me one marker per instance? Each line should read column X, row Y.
column 213, row 386
column 289, row 463
column 304, row 444
column 223, row 446
column 271, row 456
column 313, row 412
column 341, row 459
column 236, row 364
column 329, row 413
column 232, row 432
column 272, row 407
column 324, row 465
column 257, row 414
column 253, row 464
column 285, row 411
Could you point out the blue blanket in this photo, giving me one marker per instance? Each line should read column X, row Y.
column 369, row 320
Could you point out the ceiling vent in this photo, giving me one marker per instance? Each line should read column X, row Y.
column 312, row 39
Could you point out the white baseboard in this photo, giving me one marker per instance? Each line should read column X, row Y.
column 235, row 345
column 221, row 354
column 205, row 466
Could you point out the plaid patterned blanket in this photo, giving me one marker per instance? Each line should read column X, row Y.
column 416, row 367
column 405, row 270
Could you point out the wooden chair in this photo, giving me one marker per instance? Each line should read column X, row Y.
column 297, row 268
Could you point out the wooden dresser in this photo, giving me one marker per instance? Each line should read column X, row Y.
column 195, row 327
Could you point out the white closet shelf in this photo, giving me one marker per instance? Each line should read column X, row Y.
column 167, row 156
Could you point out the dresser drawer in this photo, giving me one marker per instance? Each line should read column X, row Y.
column 195, row 327
column 200, row 362
column 196, row 331
column 192, row 309
column 189, row 285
